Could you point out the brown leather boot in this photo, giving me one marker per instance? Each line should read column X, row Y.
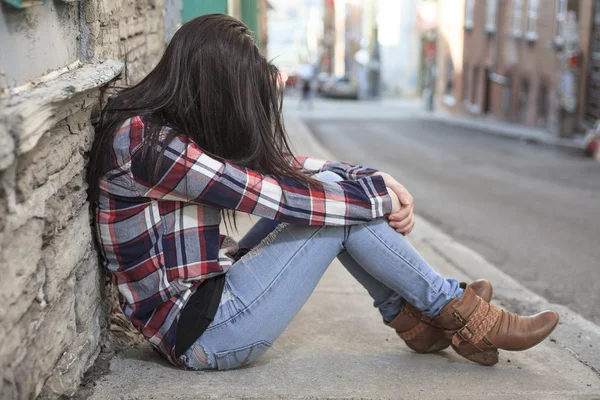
column 420, row 333
column 478, row 329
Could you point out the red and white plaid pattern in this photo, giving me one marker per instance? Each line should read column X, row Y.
column 161, row 240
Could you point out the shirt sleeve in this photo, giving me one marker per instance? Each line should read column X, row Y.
column 188, row 174
column 310, row 165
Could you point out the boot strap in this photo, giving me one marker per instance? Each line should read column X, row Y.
column 481, row 322
column 413, row 332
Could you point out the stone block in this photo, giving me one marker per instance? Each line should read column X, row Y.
column 3, row 204
column 15, row 337
column 108, row 10
column 136, row 41
column 54, row 333
column 8, row 386
column 7, row 149
column 65, row 251
column 88, row 292
column 29, row 292
column 63, row 205
column 34, row 167
column 86, row 138
column 123, row 29
column 155, row 44
column 22, row 276
column 69, row 108
column 70, row 368
column 133, row 27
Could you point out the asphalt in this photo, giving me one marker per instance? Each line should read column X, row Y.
column 337, row 346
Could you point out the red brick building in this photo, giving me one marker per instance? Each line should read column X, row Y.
column 534, row 62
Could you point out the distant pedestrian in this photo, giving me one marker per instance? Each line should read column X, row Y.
column 201, row 138
column 306, row 96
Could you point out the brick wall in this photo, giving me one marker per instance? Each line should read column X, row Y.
column 53, row 308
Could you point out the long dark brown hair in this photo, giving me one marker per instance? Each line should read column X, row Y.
column 212, row 86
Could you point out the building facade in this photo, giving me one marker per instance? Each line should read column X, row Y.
column 590, row 97
column 524, row 61
column 400, row 46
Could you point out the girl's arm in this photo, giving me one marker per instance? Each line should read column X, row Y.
column 188, row 174
column 310, row 165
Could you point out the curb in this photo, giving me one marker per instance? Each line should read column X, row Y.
column 579, row 336
column 506, row 132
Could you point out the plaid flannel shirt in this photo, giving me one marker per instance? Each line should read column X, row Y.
column 161, row 240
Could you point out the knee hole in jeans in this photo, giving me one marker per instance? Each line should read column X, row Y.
column 196, row 358
column 240, row 357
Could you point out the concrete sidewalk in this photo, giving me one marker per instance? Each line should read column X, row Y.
column 337, row 346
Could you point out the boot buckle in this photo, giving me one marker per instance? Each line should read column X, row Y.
column 459, row 318
column 463, row 335
column 460, row 332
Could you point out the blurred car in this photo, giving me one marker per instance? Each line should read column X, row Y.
column 346, row 88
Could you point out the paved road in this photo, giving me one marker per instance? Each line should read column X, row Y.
column 532, row 210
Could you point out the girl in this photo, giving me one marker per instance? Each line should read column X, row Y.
column 202, row 137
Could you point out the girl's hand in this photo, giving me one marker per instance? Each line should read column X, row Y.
column 396, row 206
column 402, row 220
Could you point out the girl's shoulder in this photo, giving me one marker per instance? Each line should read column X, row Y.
column 132, row 133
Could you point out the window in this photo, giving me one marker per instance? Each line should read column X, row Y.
column 448, row 98
column 469, row 13
column 517, row 17
column 596, row 37
column 507, row 95
column 532, row 17
column 475, row 86
column 490, row 15
column 523, row 100
column 449, row 76
column 561, row 18
column 543, row 106
column 465, row 83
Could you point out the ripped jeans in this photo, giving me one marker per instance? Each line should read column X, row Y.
column 267, row 287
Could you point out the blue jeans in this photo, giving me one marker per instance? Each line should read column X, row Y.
column 267, row 287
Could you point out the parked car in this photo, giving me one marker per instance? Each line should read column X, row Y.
column 346, row 87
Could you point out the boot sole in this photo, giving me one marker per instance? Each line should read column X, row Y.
column 486, row 358
column 436, row 347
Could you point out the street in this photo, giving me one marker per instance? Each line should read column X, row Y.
column 532, row 210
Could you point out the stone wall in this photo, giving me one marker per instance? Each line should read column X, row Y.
column 131, row 30
column 53, row 308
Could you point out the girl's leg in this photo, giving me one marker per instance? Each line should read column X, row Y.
column 259, row 231
column 388, row 302
column 388, row 257
column 268, row 286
